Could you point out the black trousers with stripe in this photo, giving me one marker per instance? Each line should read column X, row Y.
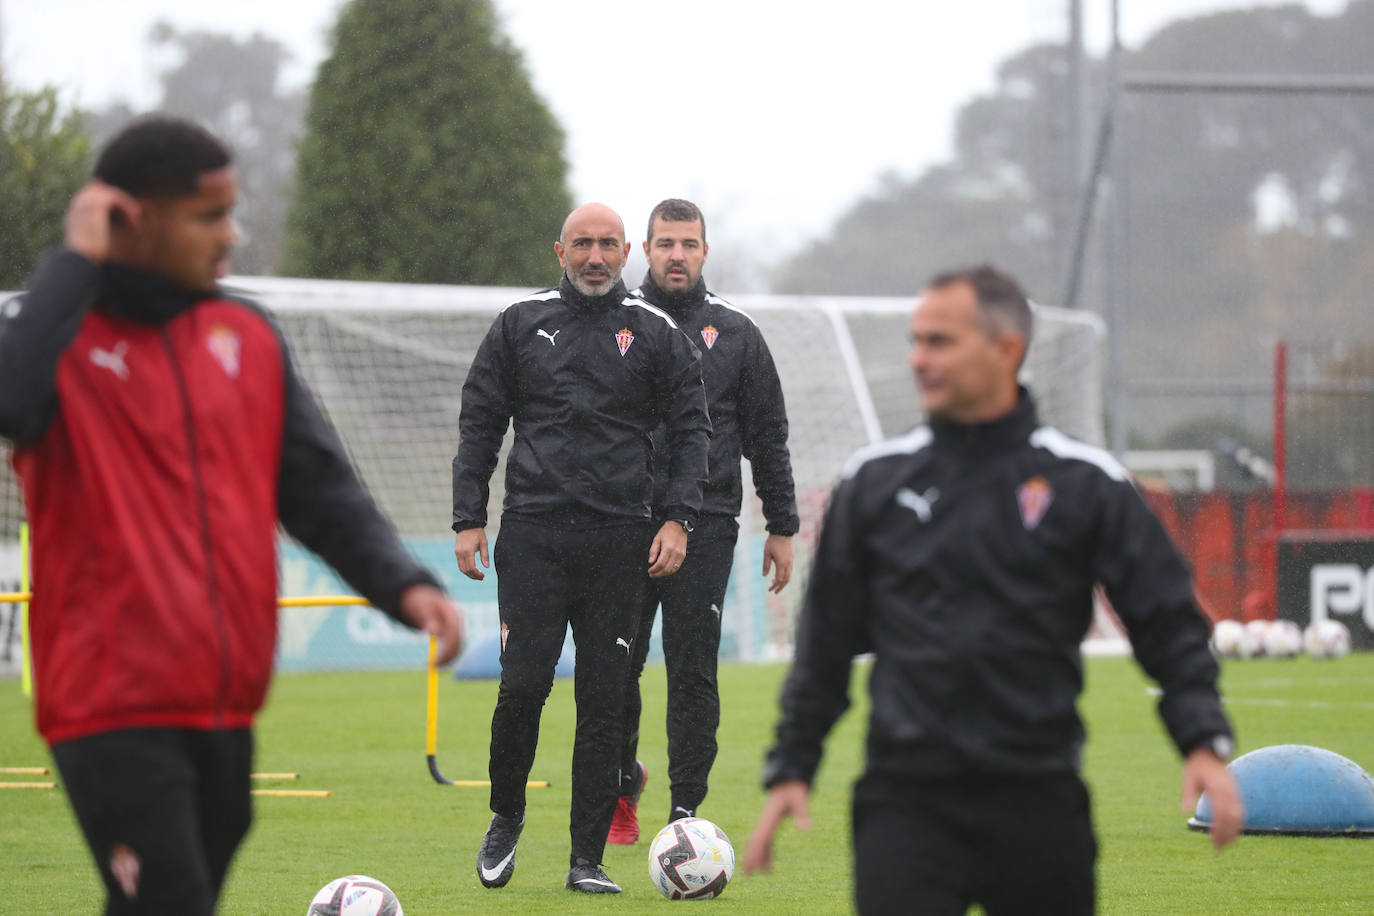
column 176, row 800
column 1019, row 845
column 692, row 599
column 547, row 579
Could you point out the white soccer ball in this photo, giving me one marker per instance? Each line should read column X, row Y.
column 355, row 895
column 1227, row 636
column 1256, row 632
column 691, row 859
column 1283, row 639
column 1327, row 639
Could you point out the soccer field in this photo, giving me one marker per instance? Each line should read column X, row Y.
column 361, row 736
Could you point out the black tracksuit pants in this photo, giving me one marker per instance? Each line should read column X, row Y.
column 547, row 578
column 1019, row 844
column 176, row 801
column 692, row 599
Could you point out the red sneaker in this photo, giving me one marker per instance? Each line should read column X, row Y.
column 625, row 824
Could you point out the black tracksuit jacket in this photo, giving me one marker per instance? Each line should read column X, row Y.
column 964, row 558
column 744, row 394
column 586, row 380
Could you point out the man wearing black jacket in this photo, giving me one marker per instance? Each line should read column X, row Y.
column 964, row 557
column 161, row 434
column 587, row 372
column 748, row 418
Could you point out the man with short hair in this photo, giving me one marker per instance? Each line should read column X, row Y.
column 161, row 433
column 963, row 556
column 587, row 372
column 749, row 419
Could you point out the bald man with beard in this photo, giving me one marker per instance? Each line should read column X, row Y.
column 586, row 372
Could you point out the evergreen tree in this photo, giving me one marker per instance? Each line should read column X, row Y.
column 45, row 156
column 428, row 156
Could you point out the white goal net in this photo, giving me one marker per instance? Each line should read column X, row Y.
column 388, row 362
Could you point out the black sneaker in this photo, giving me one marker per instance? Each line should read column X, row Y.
column 496, row 858
column 679, row 813
column 588, row 878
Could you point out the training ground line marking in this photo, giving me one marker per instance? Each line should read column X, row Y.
column 25, row 771
column 294, row 793
column 28, row 785
column 1296, row 704
column 1272, row 701
column 276, row 775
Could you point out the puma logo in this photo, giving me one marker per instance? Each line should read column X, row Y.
column 620, row 641
column 543, row 333
column 112, row 359
column 919, row 503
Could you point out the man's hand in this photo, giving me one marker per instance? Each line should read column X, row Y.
column 1204, row 771
column 466, row 548
column 90, row 215
column 784, row 799
column 777, row 554
column 426, row 608
column 667, row 551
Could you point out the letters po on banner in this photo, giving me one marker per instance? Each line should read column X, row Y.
column 1328, row 575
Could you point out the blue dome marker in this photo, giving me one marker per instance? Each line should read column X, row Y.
column 1298, row 790
column 481, row 660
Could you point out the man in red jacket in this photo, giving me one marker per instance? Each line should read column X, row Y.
column 161, row 434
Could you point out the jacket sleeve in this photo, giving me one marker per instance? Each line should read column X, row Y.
column 1149, row 587
column 682, row 400
column 488, row 397
column 763, row 431
column 831, row 630
column 35, row 329
column 323, row 503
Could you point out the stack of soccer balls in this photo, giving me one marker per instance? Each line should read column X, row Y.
column 1280, row 639
column 691, row 859
column 355, row 895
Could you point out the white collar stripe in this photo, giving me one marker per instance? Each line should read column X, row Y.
column 1055, row 442
column 631, row 302
column 910, row 444
column 544, row 296
column 724, row 303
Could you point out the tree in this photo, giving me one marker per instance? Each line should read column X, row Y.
column 45, row 156
column 428, row 156
column 999, row 199
column 1210, row 281
column 230, row 86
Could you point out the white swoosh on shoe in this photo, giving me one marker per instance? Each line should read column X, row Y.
column 595, row 881
column 491, row 874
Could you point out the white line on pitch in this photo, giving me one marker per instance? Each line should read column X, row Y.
column 1272, row 701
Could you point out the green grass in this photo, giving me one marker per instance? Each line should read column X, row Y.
column 362, row 736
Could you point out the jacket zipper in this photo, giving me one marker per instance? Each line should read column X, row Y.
column 207, row 542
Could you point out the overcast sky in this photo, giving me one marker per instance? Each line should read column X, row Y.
column 774, row 115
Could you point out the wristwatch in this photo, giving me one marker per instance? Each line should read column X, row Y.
column 686, row 525
column 1221, row 745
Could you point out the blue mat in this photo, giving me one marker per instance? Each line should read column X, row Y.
column 1299, row 790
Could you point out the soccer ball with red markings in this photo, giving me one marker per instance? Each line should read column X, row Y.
column 1327, row 639
column 355, row 895
column 691, row 859
column 1283, row 639
column 1228, row 638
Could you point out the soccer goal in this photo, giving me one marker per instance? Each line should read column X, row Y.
column 388, row 362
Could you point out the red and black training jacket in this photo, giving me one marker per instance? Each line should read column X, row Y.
column 160, row 438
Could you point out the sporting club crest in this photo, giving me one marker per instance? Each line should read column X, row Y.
column 709, row 334
column 1033, row 498
column 623, row 338
column 223, row 345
